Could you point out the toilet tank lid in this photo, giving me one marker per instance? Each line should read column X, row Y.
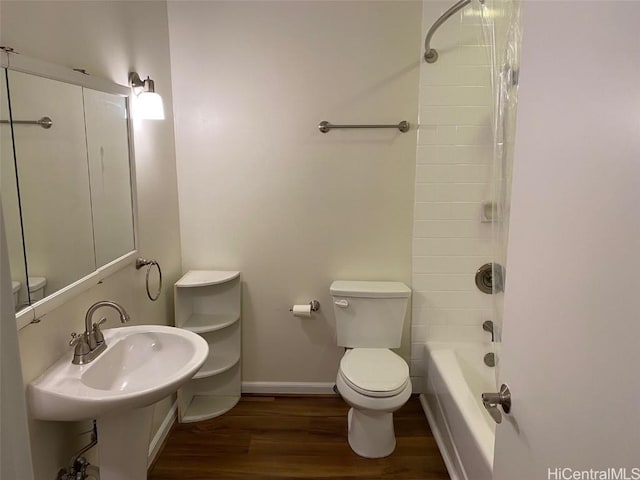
column 359, row 288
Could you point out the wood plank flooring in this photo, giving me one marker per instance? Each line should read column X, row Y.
column 294, row 437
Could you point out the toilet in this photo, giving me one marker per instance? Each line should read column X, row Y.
column 373, row 380
column 36, row 288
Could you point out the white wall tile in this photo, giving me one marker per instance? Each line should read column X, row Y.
column 419, row 333
column 474, row 55
column 450, row 154
column 416, row 370
column 451, row 229
column 474, row 135
column 430, row 134
column 439, row 333
column 469, row 333
column 452, row 246
column 452, row 192
column 439, row 282
column 471, row 34
column 453, row 316
column 436, row 300
column 447, row 264
column 455, row 96
column 456, row 173
column 445, row 211
column 474, row 75
column 454, row 160
column 440, row 76
column 452, row 115
column 417, row 351
column 471, row 15
column 419, row 316
column 418, row 380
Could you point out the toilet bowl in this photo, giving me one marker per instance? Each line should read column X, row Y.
column 36, row 288
column 375, row 383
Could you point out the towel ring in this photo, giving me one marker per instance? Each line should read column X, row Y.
column 142, row 262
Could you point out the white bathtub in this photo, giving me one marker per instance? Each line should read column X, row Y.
column 455, row 377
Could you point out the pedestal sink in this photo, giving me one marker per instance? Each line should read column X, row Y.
column 141, row 365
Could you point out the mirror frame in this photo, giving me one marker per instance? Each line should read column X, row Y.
column 20, row 63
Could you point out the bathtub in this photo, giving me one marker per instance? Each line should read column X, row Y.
column 455, row 377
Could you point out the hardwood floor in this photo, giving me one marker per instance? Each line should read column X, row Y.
column 292, row 437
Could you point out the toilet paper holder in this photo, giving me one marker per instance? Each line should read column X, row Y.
column 315, row 306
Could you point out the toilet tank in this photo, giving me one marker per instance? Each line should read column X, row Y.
column 369, row 314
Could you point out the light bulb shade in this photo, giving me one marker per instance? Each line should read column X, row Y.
column 148, row 106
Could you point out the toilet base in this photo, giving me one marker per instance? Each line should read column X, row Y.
column 371, row 434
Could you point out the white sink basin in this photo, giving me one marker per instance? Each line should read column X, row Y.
column 141, row 365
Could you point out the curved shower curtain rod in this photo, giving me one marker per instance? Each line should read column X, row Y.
column 430, row 54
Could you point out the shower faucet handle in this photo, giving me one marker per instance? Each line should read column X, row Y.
column 487, row 326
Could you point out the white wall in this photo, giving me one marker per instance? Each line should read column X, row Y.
column 453, row 175
column 263, row 191
column 572, row 303
column 108, row 39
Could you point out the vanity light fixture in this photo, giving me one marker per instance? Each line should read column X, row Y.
column 147, row 103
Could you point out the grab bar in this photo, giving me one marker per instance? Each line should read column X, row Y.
column 44, row 122
column 325, row 126
column 430, row 54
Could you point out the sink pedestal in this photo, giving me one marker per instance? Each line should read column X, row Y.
column 123, row 444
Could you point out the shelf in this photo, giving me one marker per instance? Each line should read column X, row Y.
column 204, row 278
column 219, row 363
column 203, row 407
column 203, row 323
column 209, row 303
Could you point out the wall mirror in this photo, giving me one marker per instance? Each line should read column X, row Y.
column 66, row 170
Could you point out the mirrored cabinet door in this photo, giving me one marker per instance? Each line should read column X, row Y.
column 53, row 180
column 109, row 174
column 11, row 201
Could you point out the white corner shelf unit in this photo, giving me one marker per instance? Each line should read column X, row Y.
column 207, row 302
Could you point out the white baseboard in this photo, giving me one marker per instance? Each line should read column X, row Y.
column 291, row 388
column 163, row 431
column 437, row 435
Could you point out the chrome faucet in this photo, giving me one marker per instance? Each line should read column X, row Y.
column 91, row 343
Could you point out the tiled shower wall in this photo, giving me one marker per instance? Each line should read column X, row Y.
column 453, row 171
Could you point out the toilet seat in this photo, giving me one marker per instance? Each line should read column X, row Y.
column 374, row 372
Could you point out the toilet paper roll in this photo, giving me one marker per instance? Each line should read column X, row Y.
column 301, row 310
